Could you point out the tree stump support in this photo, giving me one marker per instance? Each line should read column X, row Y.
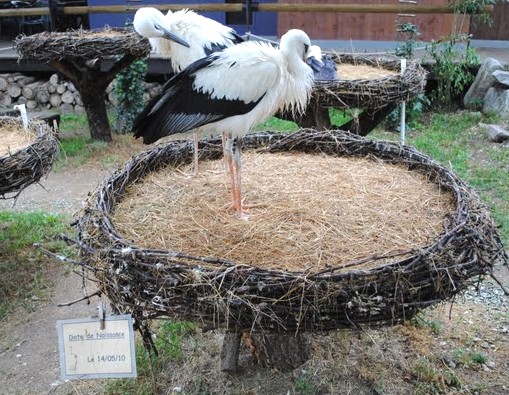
column 230, row 351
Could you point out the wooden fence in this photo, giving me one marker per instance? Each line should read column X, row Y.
column 322, row 19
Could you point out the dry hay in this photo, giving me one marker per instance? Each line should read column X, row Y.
column 347, row 71
column 369, row 82
column 24, row 156
column 219, row 292
column 13, row 138
column 309, row 211
column 81, row 45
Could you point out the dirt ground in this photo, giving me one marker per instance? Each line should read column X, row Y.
column 385, row 361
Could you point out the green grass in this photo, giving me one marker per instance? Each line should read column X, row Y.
column 73, row 124
column 76, row 151
column 169, row 346
column 24, row 270
column 276, row 124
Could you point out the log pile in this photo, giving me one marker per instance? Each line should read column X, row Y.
column 53, row 93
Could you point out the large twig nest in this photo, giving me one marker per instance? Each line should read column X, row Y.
column 370, row 82
column 25, row 156
column 81, row 45
column 373, row 288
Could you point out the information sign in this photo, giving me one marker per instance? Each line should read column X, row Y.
column 87, row 351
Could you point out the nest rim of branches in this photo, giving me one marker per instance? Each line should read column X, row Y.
column 372, row 93
column 154, row 283
column 81, row 44
column 28, row 164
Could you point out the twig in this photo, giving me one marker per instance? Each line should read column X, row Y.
column 86, row 297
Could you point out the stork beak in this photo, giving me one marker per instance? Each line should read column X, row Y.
column 173, row 37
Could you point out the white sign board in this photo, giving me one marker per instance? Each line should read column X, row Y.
column 88, row 352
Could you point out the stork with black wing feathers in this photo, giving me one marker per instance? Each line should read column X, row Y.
column 232, row 91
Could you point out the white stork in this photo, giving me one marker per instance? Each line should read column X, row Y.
column 232, row 91
column 204, row 35
column 324, row 68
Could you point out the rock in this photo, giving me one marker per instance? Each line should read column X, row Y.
column 483, row 81
column 502, row 77
column 496, row 101
column 497, row 134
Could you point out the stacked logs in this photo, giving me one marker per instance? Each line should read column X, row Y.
column 37, row 94
column 54, row 93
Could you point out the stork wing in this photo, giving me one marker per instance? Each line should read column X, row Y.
column 184, row 105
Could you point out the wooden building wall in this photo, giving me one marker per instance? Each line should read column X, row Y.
column 498, row 30
column 336, row 26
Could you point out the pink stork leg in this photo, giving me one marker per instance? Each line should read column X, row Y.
column 232, row 154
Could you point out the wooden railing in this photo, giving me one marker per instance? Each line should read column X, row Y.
column 238, row 7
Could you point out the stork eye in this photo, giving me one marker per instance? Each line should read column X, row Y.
column 306, row 48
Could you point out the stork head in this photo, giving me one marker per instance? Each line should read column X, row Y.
column 149, row 22
column 295, row 40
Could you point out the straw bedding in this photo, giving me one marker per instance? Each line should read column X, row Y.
column 309, row 211
column 81, row 45
column 24, row 156
column 150, row 279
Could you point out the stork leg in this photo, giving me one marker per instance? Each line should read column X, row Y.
column 232, row 154
column 196, row 141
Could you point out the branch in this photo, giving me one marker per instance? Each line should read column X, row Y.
column 121, row 64
column 86, row 297
column 67, row 68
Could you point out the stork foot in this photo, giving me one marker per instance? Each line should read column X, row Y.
column 242, row 211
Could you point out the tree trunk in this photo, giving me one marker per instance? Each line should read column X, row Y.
column 280, row 351
column 230, row 351
column 95, row 107
column 367, row 121
column 315, row 117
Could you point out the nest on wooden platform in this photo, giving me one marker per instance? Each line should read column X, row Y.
column 81, row 44
column 377, row 83
column 379, row 289
column 25, row 156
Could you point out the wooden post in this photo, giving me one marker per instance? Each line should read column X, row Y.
column 230, row 351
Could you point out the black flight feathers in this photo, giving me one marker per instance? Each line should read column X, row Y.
column 216, row 47
column 180, row 107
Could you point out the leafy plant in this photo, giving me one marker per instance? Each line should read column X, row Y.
column 462, row 8
column 407, row 49
column 451, row 70
column 128, row 92
column 415, row 108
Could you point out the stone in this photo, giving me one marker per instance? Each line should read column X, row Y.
column 483, row 81
column 497, row 134
column 502, row 77
column 496, row 101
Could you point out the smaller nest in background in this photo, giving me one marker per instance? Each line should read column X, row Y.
column 81, row 44
column 369, row 82
column 379, row 289
column 25, row 156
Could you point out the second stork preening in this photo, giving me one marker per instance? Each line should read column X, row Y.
column 202, row 35
column 232, row 91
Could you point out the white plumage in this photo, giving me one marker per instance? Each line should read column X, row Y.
column 232, row 91
column 204, row 35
